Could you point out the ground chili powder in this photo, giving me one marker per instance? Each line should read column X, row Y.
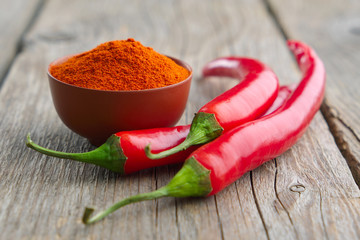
column 120, row 65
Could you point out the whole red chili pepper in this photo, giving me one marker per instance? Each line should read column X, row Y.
column 248, row 100
column 124, row 152
column 217, row 164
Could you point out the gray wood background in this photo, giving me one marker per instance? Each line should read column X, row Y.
column 310, row 192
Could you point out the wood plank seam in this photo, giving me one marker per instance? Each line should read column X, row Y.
column 257, row 205
column 238, row 197
column 322, row 214
column 281, row 203
column 177, row 219
column 219, row 219
column 20, row 42
column 333, row 119
column 272, row 14
column 326, row 109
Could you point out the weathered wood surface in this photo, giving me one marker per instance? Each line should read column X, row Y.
column 15, row 18
column 307, row 193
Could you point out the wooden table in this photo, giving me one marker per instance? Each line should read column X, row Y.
column 310, row 192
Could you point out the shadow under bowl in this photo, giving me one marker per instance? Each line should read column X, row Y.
column 96, row 114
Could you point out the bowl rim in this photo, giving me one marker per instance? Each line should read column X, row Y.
column 176, row 60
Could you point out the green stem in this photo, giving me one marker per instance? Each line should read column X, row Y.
column 204, row 129
column 193, row 180
column 109, row 155
column 137, row 198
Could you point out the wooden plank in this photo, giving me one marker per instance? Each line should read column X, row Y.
column 335, row 33
column 15, row 17
column 345, row 139
column 43, row 197
column 310, row 188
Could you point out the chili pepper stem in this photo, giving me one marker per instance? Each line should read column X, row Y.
column 204, row 128
column 109, row 155
column 137, row 198
column 193, row 180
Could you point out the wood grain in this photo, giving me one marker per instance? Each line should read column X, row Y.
column 308, row 193
column 334, row 31
column 311, row 196
column 15, row 18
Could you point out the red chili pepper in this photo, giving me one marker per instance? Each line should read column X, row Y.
column 284, row 93
column 124, row 152
column 217, row 164
column 231, row 67
column 245, row 102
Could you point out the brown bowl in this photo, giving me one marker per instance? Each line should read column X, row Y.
column 96, row 114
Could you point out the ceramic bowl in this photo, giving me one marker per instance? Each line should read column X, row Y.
column 96, row 114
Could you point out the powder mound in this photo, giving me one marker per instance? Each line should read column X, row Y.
column 120, row 65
